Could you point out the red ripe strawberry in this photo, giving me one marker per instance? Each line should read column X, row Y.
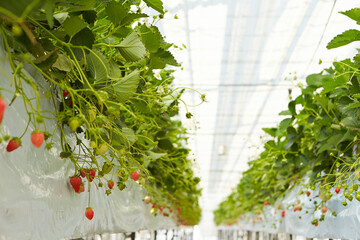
column 154, row 205
column 111, row 184
column 296, row 207
column 92, row 174
column 89, row 213
column 164, row 213
column 2, row 108
column 65, row 93
column 82, row 188
column 308, row 193
column 135, row 176
column 83, row 172
column 13, row 144
column 337, row 190
column 68, row 99
column 324, row 209
column 266, row 203
column 76, row 183
column 37, row 138
column 161, row 208
column 171, row 210
column 283, row 213
column 179, row 209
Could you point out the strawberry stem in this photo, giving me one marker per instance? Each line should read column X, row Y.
column 27, row 126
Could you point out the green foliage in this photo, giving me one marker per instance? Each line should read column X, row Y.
column 345, row 38
column 155, row 4
column 98, row 62
column 317, row 142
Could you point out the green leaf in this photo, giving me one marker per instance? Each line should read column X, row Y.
column 19, row 6
column 62, row 63
column 81, row 5
column 125, row 137
column 155, row 156
column 165, row 144
column 270, row 131
column 89, row 16
column 285, row 112
column 46, row 61
column 155, row 4
column 345, row 38
column 116, row 12
column 150, row 39
column 159, row 59
column 73, row 25
column 49, row 7
column 130, row 135
column 330, row 83
column 115, row 71
column 353, row 105
column 61, row 17
column 84, row 38
column 98, row 66
column 125, row 88
column 166, row 56
column 131, row 17
column 348, row 136
column 131, row 48
column 284, row 124
column 354, row 14
column 351, row 122
column 292, row 107
column 315, row 79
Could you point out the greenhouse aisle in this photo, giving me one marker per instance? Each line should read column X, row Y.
column 247, row 56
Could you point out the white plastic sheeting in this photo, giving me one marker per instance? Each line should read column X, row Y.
column 345, row 225
column 36, row 198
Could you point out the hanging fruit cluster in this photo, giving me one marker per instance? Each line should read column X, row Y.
column 96, row 62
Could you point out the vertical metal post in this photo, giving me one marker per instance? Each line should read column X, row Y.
column 132, row 236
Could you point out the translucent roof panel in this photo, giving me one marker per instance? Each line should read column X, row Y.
column 244, row 55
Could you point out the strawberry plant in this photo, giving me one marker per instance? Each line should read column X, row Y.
column 94, row 61
column 316, row 147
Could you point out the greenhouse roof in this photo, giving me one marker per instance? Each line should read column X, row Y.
column 248, row 58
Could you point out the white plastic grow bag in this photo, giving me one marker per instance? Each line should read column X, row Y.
column 36, row 199
column 345, row 225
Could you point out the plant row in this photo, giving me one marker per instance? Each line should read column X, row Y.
column 315, row 147
column 102, row 67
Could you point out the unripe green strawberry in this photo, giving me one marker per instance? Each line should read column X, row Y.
column 102, row 149
column 357, row 196
column 16, row 30
column 74, row 123
column 107, row 167
column 93, row 144
column 92, row 114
